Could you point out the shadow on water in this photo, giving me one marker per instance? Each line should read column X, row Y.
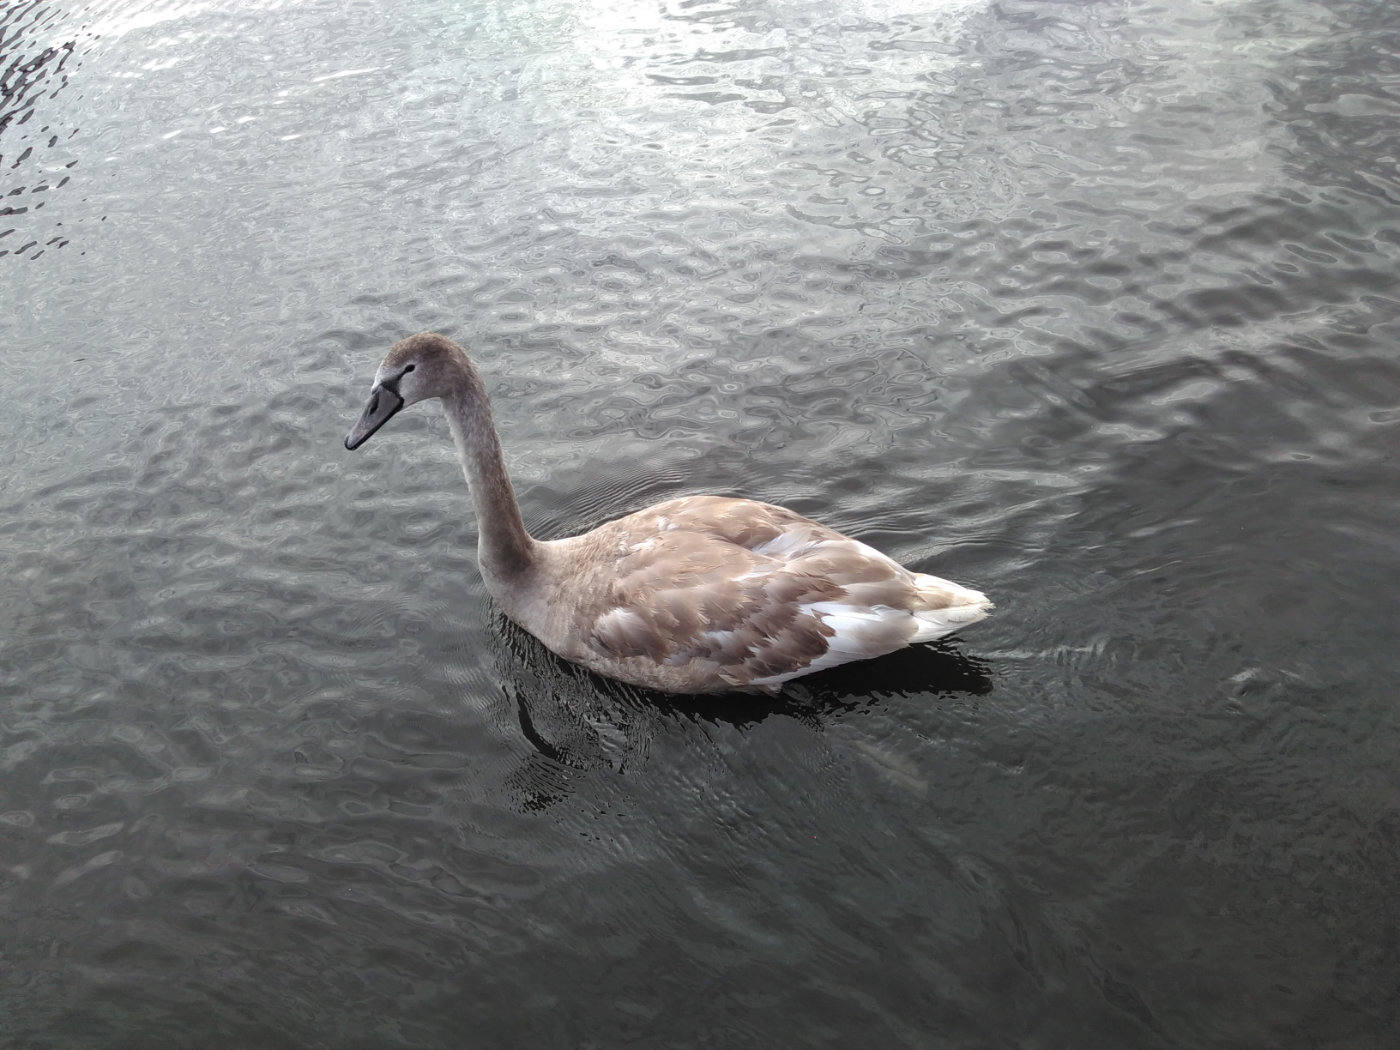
column 577, row 721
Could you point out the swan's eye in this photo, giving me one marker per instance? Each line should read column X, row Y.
column 408, row 369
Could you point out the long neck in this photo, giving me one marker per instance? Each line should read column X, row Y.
column 504, row 548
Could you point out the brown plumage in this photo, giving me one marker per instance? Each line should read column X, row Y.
column 697, row 594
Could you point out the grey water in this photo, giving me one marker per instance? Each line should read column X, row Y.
column 1092, row 306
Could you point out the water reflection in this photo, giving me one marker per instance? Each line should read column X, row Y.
column 579, row 722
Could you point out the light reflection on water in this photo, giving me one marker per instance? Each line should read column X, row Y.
column 1090, row 306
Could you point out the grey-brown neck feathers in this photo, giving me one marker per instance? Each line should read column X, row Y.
column 504, row 547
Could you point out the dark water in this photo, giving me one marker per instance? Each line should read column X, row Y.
column 1092, row 306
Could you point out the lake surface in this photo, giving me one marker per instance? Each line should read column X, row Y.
column 1092, row 306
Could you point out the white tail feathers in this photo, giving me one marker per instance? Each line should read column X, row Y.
column 949, row 607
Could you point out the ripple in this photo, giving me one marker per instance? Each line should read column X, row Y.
column 1091, row 307
column 39, row 54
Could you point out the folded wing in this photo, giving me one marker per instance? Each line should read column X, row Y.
column 759, row 594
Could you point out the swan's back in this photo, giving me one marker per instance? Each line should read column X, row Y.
column 706, row 592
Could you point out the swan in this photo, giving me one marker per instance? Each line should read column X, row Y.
column 693, row 595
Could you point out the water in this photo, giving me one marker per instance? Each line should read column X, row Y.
column 1092, row 306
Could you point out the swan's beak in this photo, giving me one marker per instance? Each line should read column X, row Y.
column 383, row 403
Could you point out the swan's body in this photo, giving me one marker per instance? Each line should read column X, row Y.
column 693, row 595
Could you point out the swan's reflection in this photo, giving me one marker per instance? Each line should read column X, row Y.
column 579, row 723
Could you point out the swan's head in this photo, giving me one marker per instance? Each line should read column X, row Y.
column 420, row 367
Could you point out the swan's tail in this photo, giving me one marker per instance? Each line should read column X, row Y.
column 944, row 607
